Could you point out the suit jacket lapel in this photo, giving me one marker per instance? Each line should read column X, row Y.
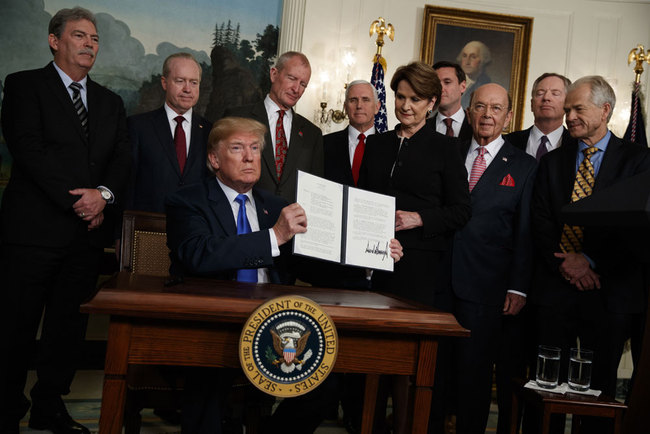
column 193, row 155
column 609, row 165
column 567, row 171
column 165, row 139
column 268, row 157
column 296, row 145
column 221, row 208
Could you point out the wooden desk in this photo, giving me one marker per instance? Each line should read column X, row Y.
column 548, row 403
column 198, row 323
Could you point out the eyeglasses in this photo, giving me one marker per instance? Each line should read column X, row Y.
column 482, row 108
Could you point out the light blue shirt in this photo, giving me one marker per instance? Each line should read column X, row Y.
column 597, row 157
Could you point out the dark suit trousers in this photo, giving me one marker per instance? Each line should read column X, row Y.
column 475, row 358
column 56, row 280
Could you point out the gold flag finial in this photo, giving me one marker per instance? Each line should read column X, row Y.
column 382, row 29
column 638, row 55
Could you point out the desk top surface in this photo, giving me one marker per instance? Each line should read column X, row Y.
column 133, row 295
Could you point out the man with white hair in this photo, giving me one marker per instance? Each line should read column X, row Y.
column 474, row 58
column 584, row 284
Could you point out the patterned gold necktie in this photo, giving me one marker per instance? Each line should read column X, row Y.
column 572, row 236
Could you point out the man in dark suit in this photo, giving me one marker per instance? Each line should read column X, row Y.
column 491, row 254
column 547, row 105
column 585, row 286
column 343, row 156
column 344, row 149
column 157, row 138
column 169, row 148
column 451, row 119
column 204, row 224
column 302, row 147
column 68, row 139
column 517, row 347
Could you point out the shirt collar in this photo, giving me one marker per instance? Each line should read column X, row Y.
column 171, row 114
column 272, row 108
column 492, row 148
column 553, row 137
column 353, row 133
column 601, row 144
column 66, row 78
column 231, row 194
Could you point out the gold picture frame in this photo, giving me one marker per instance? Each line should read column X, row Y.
column 446, row 31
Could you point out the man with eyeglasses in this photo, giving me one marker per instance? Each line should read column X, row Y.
column 491, row 254
column 547, row 105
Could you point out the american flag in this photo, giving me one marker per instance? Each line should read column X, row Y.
column 377, row 80
column 635, row 129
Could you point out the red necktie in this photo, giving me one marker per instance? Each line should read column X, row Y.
column 358, row 157
column 180, row 142
column 280, row 145
column 478, row 167
column 450, row 130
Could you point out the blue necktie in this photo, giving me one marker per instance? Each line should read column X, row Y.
column 244, row 227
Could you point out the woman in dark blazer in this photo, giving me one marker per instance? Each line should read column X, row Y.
column 425, row 173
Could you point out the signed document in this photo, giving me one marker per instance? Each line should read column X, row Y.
column 345, row 224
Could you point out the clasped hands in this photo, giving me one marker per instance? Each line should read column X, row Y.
column 575, row 268
column 293, row 220
column 89, row 207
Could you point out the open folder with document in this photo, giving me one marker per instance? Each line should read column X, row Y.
column 345, row 224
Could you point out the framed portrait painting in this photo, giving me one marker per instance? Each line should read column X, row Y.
column 491, row 48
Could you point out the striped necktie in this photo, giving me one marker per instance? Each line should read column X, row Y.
column 572, row 236
column 79, row 105
column 478, row 167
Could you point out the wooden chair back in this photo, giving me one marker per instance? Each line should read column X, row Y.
column 144, row 243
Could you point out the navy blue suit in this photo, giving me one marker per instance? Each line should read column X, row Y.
column 202, row 232
column 491, row 254
column 155, row 166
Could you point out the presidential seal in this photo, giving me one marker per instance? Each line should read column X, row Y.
column 288, row 346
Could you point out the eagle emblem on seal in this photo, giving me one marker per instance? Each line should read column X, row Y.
column 289, row 342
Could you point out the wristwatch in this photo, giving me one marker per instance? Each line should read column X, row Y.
column 106, row 194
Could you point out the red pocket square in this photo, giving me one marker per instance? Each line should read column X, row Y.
column 508, row 181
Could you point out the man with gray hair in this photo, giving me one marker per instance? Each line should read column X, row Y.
column 294, row 143
column 584, row 286
column 68, row 140
column 344, row 149
column 474, row 58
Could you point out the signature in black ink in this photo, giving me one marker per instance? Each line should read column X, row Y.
column 375, row 250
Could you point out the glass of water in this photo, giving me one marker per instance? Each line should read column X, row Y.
column 548, row 366
column 580, row 368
